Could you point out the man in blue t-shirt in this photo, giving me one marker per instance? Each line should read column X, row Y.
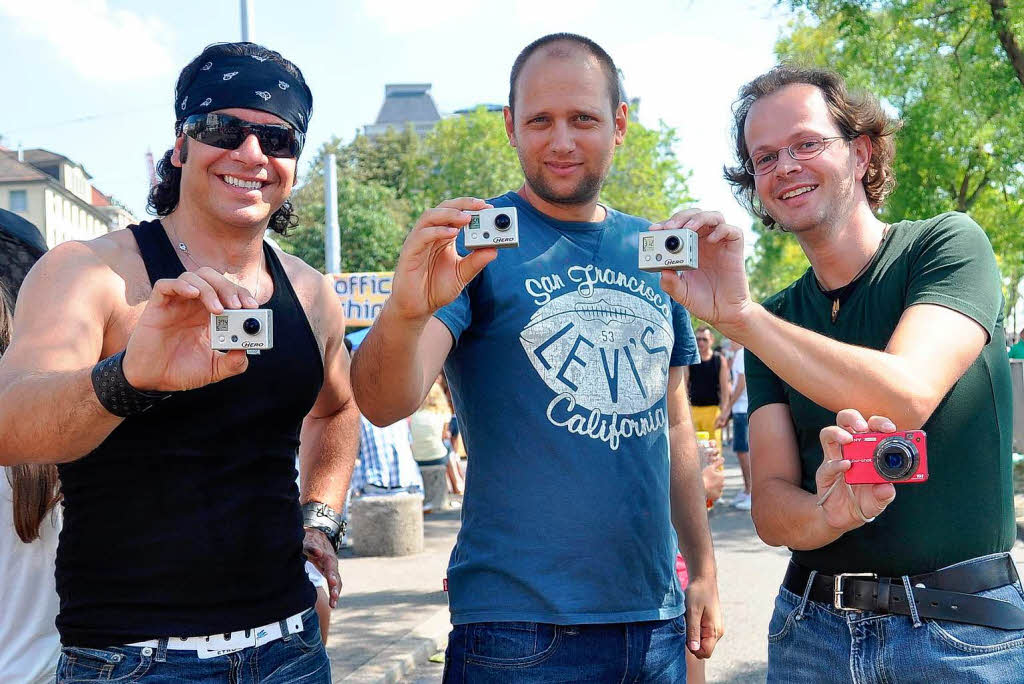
column 565, row 363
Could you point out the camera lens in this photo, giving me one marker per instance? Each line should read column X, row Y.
column 251, row 326
column 896, row 458
column 673, row 243
column 502, row 222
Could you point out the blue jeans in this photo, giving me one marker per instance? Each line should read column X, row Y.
column 740, row 443
column 519, row 652
column 814, row 642
column 296, row 658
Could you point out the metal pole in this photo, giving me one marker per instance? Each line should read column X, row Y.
column 332, row 232
column 248, row 20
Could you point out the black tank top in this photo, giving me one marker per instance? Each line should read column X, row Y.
column 704, row 382
column 185, row 521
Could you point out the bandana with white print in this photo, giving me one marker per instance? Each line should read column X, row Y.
column 251, row 81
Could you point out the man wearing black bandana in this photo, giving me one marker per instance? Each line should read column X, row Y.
column 895, row 327
column 182, row 556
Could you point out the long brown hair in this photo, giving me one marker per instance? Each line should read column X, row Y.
column 855, row 113
column 36, row 487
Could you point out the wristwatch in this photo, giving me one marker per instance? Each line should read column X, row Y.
column 319, row 516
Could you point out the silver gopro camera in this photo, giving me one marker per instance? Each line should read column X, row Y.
column 672, row 250
column 248, row 329
column 492, row 228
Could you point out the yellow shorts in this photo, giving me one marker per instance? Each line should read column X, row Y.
column 704, row 418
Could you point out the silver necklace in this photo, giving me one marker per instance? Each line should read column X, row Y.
column 183, row 248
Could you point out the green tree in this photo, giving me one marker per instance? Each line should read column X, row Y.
column 646, row 178
column 468, row 156
column 954, row 73
column 777, row 261
column 384, row 183
column 371, row 219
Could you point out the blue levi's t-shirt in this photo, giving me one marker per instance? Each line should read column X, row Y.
column 559, row 374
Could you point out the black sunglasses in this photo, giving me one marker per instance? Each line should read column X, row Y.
column 229, row 132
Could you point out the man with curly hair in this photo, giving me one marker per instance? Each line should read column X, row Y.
column 897, row 325
column 185, row 535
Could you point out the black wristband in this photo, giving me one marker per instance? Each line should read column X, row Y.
column 116, row 394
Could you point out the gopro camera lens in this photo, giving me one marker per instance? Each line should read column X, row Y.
column 251, row 326
column 673, row 243
column 896, row 459
column 502, row 222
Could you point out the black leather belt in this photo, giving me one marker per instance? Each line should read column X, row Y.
column 940, row 595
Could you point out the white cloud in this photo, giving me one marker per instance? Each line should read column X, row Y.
column 100, row 43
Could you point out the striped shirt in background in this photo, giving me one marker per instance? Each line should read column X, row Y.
column 385, row 458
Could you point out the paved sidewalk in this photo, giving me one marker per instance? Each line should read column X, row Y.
column 393, row 613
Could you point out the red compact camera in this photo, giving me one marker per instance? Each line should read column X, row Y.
column 880, row 457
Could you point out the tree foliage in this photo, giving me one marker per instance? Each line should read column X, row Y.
column 646, row 178
column 776, row 262
column 953, row 71
column 384, row 183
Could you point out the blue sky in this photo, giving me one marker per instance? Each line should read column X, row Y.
column 94, row 79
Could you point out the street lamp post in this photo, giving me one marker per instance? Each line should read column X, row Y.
column 248, row 21
column 332, row 231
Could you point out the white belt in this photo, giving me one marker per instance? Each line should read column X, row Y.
column 222, row 644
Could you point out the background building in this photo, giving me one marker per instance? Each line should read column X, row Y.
column 405, row 104
column 56, row 194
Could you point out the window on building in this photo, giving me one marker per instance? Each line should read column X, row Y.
column 19, row 200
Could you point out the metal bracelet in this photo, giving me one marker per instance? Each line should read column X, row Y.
column 319, row 515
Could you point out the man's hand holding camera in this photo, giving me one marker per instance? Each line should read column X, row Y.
column 169, row 350
column 849, row 507
column 717, row 290
column 430, row 272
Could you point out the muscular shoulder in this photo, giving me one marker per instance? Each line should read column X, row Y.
column 316, row 294
column 109, row 264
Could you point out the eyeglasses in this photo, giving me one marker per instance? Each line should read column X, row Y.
column 808, row 148
column 229, row 132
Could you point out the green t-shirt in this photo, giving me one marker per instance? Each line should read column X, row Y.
column 965, row 509
column 1017, row 350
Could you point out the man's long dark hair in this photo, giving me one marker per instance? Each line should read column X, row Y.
column 35, row 487
column 164, row 195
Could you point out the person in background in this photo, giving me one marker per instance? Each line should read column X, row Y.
column 30, row 523
column 738, row 408
column 1017, row 350
column 456, row 472
column 708, row 385
column 429, row 428
column 385, row 464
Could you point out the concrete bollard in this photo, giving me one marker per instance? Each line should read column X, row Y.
column 388, row 525
column 435, row 487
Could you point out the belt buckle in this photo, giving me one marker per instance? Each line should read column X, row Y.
column 837, row 589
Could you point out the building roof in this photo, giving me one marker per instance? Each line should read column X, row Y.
column 12, row 170
column 98, row 198
column 407, row 102
column 41, row 157
column 486, row 108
